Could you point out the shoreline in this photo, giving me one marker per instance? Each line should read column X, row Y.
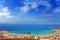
column 51, row 35
column 57, row 32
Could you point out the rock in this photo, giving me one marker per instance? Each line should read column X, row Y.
column 26, row 33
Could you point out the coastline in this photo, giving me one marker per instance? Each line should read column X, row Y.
column 8, row 35
column 57, row 32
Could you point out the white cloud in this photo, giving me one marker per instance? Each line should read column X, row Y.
column 5, row 9
column 9, row 16
column 5, row 13
column 57, row 10
column 34, row 5
column 24, row 9
column 46, row 4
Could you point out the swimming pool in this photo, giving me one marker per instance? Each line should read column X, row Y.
column 46, row 31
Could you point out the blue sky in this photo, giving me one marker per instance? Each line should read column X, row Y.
column 30, row 11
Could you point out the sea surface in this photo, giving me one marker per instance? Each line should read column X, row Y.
column 29, row 28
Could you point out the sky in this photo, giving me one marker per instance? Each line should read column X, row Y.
column 30, row 11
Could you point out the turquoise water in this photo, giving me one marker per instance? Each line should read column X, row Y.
column 32, row 31
column 31, row 28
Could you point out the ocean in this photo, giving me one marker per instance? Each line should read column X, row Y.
column 28, row 26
